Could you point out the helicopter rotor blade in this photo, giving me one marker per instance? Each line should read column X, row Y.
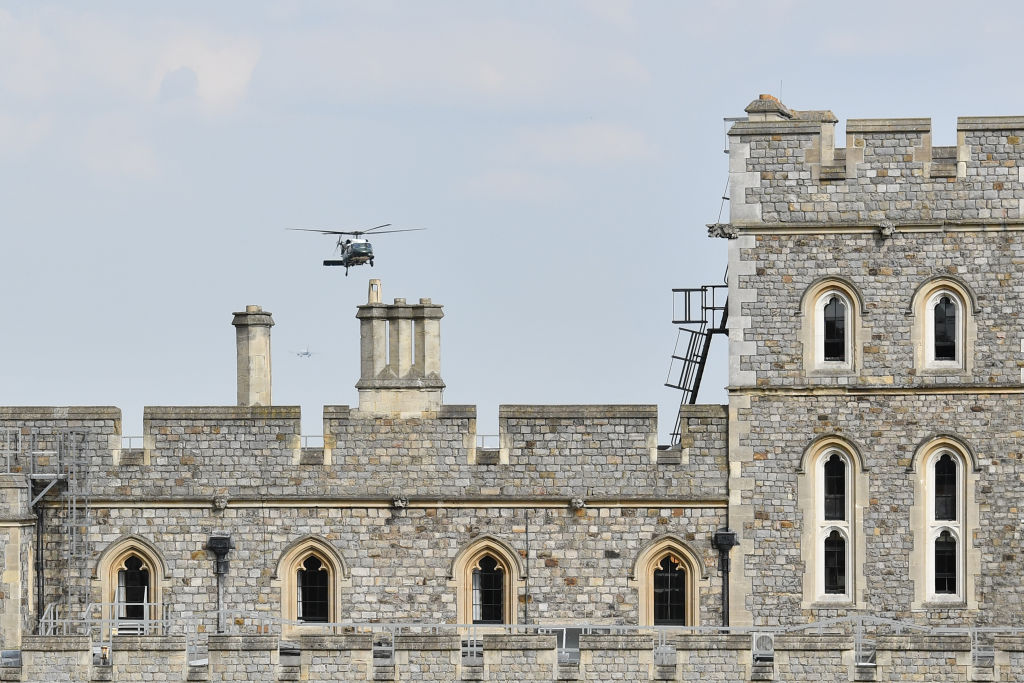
column 384, row 232
column 328, row 232
column 356, row 233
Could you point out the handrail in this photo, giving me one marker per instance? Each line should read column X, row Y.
column 489, row 441
column 312, row 440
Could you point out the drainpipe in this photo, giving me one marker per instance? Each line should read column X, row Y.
column 39, row 565
column 220, row 546
column 724, row 540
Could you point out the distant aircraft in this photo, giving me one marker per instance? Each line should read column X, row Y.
column 305, row 353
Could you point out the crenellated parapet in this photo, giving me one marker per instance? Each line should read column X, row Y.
column 785, row 167
column 214, row 456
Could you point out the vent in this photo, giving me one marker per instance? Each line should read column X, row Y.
column 762, row 647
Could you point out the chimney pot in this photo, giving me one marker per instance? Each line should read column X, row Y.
column 373, row 295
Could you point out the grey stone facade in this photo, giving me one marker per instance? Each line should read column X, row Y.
column 578, row 496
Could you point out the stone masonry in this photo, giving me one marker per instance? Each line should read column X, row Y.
column 575, row 498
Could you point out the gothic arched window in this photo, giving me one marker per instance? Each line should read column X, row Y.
column 313, row 593
column 311, row 572
column 489, row 591
column 670, row 592
column 486, row 578
column 133, row 589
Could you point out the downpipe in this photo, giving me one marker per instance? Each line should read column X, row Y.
column 724, row 540
column 220, row 546
column 39, row 567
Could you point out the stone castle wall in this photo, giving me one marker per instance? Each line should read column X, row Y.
column 577, row 493
column 398, row 499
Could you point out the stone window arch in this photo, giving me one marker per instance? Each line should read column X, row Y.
column 945, row 476
column 668, row 576
column 487, row 575
column 831, row 309
column 132, row 578
column 833, row 490
column 945, row 512
column 311, row 573
column 944, row 329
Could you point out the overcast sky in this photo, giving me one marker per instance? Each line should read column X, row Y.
column 565, row 157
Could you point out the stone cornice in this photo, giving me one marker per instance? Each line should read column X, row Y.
column 928, row 390
column 841, row 227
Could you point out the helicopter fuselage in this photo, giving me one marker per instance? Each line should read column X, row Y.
column 353, row 253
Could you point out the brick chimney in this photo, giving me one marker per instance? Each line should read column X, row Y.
column 252, row 342
column 400, row 356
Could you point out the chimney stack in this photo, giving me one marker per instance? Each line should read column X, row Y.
column 400, row 356
column 252, row 342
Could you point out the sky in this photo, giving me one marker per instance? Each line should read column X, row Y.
column 563, row 156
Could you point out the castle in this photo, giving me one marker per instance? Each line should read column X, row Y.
column 853, row 513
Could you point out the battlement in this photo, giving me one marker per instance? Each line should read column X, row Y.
column 204, row 452
column 785, row 167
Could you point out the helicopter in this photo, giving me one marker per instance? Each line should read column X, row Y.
column 354, row 251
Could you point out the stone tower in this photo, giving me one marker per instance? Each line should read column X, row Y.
column 875, row 388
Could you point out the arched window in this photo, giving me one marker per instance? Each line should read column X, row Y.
column 313, row 593
column 945, row 475
column 830, row 311
column 945, row 564
column 835, row 488
column 835, row 563
column 945, row 488
column 667, row 574
column 489, row 591
column 944, row 334
column 131, row 574
column 834, row 342
column 832, row 487
column 669, row 592
column 834, row 523
column 943, row 327
column 132, row 596
column 486, row 575
column 310, row 571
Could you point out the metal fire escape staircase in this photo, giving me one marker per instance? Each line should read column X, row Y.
column 56, row 461
column 701, row 313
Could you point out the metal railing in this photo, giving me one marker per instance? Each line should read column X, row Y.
column 132, row 442
column 312, row 440
column 488, row 441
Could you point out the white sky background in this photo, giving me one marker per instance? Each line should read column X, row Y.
column 565, row 157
